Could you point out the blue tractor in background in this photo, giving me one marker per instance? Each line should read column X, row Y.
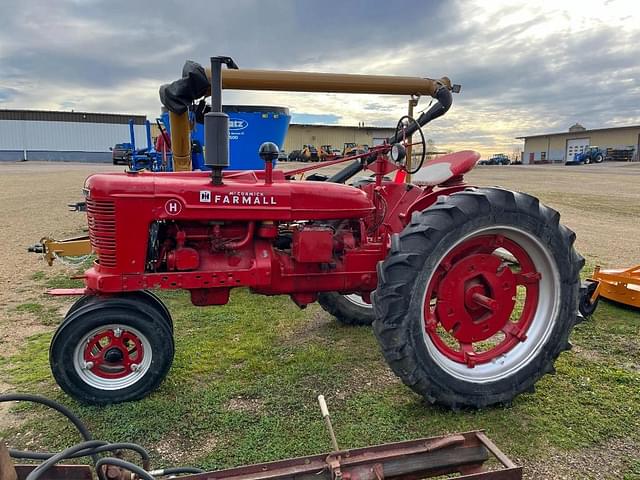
column 148, row 158
column 589, row 155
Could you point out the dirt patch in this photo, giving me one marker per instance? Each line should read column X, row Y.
column 362, row 379
column 176, row 450
column 22, row 327
column 8, row 419
column 310, row 330
column 246, row 405
column 608, row 461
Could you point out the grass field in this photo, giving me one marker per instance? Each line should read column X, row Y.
column 245, row 377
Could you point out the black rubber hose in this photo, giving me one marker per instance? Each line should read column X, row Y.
column 25, row 397
column 112, row 447
column 109, row 447
column 50, row 462
column 132, row 467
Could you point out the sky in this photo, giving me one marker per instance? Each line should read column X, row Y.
column 525, row 67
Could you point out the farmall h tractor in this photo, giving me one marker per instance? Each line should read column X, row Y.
column 472, row 291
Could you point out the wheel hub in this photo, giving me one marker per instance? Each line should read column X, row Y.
column 476, row 298
column 113, row 353
column 471, row 300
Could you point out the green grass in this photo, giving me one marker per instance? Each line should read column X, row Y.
column 266, row 354
column 45, row 314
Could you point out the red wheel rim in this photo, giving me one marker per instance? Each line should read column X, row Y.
column 113, row 353
column 472, row 301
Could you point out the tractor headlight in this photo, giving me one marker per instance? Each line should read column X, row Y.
column 398, row 153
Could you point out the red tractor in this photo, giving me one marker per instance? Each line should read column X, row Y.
column 472, row 292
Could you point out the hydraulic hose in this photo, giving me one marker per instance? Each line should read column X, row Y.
column 25, row 397
column 88, row 447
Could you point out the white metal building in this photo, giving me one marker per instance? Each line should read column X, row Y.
column 66, row 136
column 561, row 146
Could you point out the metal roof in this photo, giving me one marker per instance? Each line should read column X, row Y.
column 77, row 117
column 578, row 132
column 322, row 125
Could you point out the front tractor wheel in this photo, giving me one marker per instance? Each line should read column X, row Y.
column 110, row 352
column 477, row 297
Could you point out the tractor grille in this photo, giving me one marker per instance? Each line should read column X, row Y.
column 102, row 230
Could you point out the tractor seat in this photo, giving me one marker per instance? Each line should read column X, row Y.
column 446, row 167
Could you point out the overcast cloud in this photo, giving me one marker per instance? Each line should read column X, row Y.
column 525, row 67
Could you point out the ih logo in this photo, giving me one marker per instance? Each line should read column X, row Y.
column 173, row 207
column 205, row 196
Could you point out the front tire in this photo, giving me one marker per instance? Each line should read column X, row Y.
column 144, row 300
column 109, row 352
column 458, row 324
column 348, row 309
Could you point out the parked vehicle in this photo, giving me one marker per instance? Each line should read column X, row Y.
column 351, row 148
column 325, row 152
column 309, row 154
column 121, row 152
column 294, row 156
column 498, row 159
column 590, row 155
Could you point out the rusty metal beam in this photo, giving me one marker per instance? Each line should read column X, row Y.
column 7, row 470
column 462, row 455
column 423, row 458
column 58, row 472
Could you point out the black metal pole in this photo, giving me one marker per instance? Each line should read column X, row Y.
column 216, row 84
column 216, row 126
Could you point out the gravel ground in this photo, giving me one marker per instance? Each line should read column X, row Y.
column 601, row 203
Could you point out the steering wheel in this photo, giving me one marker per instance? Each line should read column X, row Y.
column 401, row 129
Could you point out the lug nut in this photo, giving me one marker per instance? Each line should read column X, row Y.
column 134, row 367
column 117, row 332
column 88, row 365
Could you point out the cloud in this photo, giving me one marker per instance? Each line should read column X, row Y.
column 310, row 118
column 525, row 67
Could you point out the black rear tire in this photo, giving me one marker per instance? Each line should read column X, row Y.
column 414, row 262
column 128, row 365
column 349, row 311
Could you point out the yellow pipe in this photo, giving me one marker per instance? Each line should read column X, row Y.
column 328, row 82
column 298, row 82
column 180, row 141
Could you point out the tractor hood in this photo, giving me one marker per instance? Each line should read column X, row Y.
column 243, row 196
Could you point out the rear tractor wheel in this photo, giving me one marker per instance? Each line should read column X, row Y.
column 458, row 323
column 348, row 309
column 110, row 351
